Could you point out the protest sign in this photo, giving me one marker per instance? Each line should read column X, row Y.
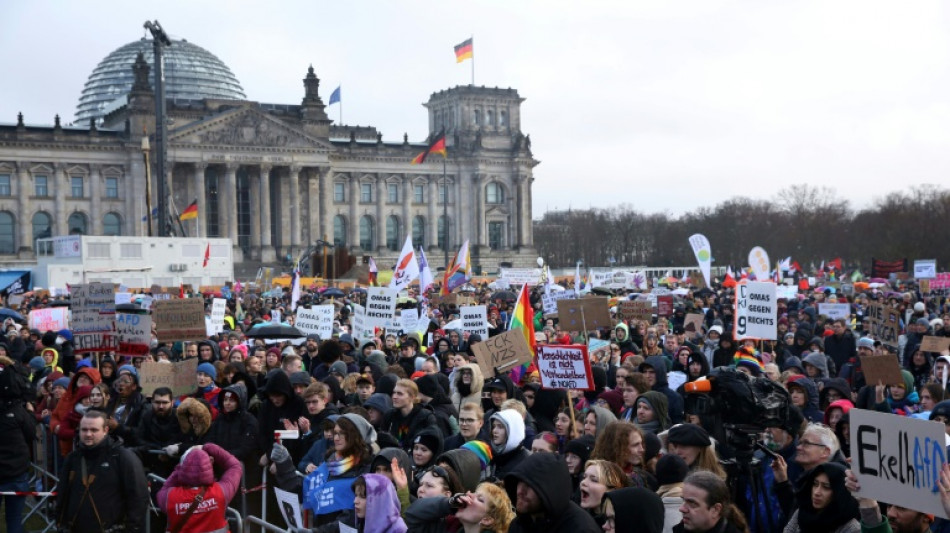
column 443, row 299
column 216, row 323
column 520, row 276
column 93, row 313
column 549, row 300
column 290, row 508
column 635, row 310
column 380, row 307
column 475, row 320
column 756, row 310
column 317, row 319
column 565, row 367
column 931, row 343
column 505, row 351
column 941, row 281
column 693, row 323
column 49, row 319
column 897, row 459
column 598, row 350
column 408, row 320
column 885, row 323
column 361, row 333
column 925, row 268
column 881, row 368
column 664, row 305
column 575, row 315
column 835, row 311
column 786, row 292
column 179, row 377
column 275, row 316
column 181, row 319
column 133, row 332
column 123, row 298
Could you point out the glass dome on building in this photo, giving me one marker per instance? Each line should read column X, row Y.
column 191, row 72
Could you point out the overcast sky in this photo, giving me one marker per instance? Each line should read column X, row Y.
column 665, row 106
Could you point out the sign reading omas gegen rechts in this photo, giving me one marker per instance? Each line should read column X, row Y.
column 756, row 314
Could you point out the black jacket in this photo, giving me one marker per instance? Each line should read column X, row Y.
column 154, row 433
column 405, row 428
column 676, row 404
column 18, row 427
column 548, row 476
column 236, row 431
column 119, row 490
column 270, row 416
column 130, row 418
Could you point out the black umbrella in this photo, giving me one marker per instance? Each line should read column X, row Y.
column 358, row 290
column 333, row 292
column 603, row 291
column 274, row 331
column 6, row 312
column 505, row 296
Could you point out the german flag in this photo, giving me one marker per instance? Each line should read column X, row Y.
column 437, row 146
column 190, row 212
column 463, row 51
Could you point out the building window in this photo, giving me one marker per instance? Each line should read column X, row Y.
column 366, row 233
column 339, row 231
column 366, row 193
column 77, row 224
column 419, row 231
column 392, row 190
column 7, row 233
column 496, row 235
column 494, row 193
column 443, row 229
column 112, row 187
column 41, row 186
column 98, row 250
column 477, row 117
column 490, row 117
column 419, row 193
column 392, row 233
column 443, row 190
column 111, row 225
column 502, row 118
column 42, row 227
column 77, row 188
column 5, row 189
column 339, row 192
column 130, row 250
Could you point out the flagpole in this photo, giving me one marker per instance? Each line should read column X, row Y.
column 472, row 37
column 445, row 214
column 340, row 101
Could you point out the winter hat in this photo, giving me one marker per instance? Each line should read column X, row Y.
column 48, row 339
column 717, row 329
column 688, row 435
column 379, row 401
column 429, row 385
column 364, row 427
column 795, row 362
column 581, row 447
column 866, row 342
column 207, row 368
column 670, row 469
column 651, row 446
column 794, row 421
column 378, row 357
column 299, row 378
column 746, row 357
column 919, row 307
column 132, row 371
column 83, row 363
column 61, row 382
column 482, row 450
column 614, row 399
column 923, row 322
column 386, row 384
column 432, row 441
column 514, row 427
column 37, row 363
column 466, row 464
column 941, row 409
column 339, row 367
column 314, row 337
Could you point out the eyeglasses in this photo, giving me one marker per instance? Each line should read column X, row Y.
column 438, row 471
column 806, row 443
column 467, row 420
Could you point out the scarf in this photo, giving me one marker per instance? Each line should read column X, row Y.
column 464, row 389
column 338, row 467
column 652, row 426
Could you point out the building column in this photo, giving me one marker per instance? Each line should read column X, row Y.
column 529, row 226
column 254, row 186
column 314, row 213
column 380, row 187
column 229, row 210
column 354, row 228
column 25, row 237
column 294, row 199
column 406, row 197
column 268, row 255
column 61, row 182
column 200, row 187
column 433, row 213
column 95, row 194
column 326, row 224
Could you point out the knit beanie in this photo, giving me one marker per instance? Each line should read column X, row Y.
column 207, row 368
column 670, row 469
column 481, row 449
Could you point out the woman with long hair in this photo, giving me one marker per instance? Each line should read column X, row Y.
column 694, row 446
column 565, row 427
column 824, row 504
column 353, row 448
column 599, row 478
column 651, row 346
column 622, row 444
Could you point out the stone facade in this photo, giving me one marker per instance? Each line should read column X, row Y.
column 277, row 178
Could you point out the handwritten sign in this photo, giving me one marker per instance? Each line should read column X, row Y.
column 635, row 310
column 885, row 323
column 216, row 322
column 505, row 351
column 49, row 319
column 664, row 305
column 408, row 320
column 574, row 315
column 835, row 311
column 475, row 320
column 133, row 332
column 380, row 307
column 549, row 300
column 520, row 276
column 756, row 310
column 179, row 377
column 897, row 459
column 361, row 332
column 93, row 314
column 289, row 507
column 317, row 319
column 565, row 367
column 181, row 319
column 931, row 343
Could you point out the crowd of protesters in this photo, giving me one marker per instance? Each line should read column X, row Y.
column 407, row 432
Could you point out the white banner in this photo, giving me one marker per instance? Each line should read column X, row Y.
column 408, row 320
column 835, row 311
column 289, row 508
column 549, row 300
column 759, row 261
column 317, row 319
column 361, row 334
column 519, row 276
column 475, row 320
column 703, row 252
column 756, row 310
column 133, row 332
column 565, row 367
column 216, row 323
column 925, row 268
column 380, row 307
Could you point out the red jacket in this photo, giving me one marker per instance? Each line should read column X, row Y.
column 194, row 472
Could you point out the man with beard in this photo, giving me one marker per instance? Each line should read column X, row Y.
column 899, row 519
column 311, row 352
column 158, row 429
column 103, row 484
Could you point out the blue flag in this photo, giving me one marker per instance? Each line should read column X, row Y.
column 323, row 495
column 335, row 95
column 154, row 214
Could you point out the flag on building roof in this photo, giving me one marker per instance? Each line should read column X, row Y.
column 335, row 95
column 464, row 50
column 437, row 146
column 190, row 212
column 459, row 271
column 373, row 272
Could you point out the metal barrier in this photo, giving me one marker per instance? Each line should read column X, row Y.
column 229, row 511
column 269, row 527
column 43, row 476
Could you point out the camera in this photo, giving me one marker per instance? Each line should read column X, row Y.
column 743, row 403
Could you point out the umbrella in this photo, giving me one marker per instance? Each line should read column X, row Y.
column 333, row 292
column 455, row 324
column 270, row 330
column 6, row 312
column 505, row 296
column 603, row 291
column 358, row 290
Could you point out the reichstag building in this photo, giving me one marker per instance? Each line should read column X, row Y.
column 274, row 178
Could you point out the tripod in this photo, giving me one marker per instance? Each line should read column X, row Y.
column 745, row 480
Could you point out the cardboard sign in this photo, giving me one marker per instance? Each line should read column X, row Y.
column 49, row 319
column 290, row 508
column 408, row 320
column 881, row 368
column 216, row 323
column 925, row 268
column 475, row 320
column 885, row 323
column 133, row 333
column 835, row 311
column 693, row 323
column 181, row 319
column 635, row 310
column 549, row 300
column 664, row 305
column 380, row 307
column 318, row 319
column 504, row 352
column 574, row 315
column 443, row 299
column 756, row 314
column 931, row 343
column 179, row 377
column 897, row 459
column 93, row 315
column 565, row 367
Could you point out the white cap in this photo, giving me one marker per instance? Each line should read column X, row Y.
column 919, row 307
column 717, row 329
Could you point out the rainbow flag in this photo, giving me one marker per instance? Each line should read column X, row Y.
column 459, row 272
column 522, row 316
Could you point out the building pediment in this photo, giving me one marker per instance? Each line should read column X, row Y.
column 500, row 210
column 245, row 126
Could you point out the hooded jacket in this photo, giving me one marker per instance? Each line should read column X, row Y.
column 68, row 402
column 193, row 434
column 466, row 464
column 436, row 436
column 215, row 350
column 236, row 431
column 547, row 404
column 811, row 412
column 657, row 402
column 841, row 513
column 385, row 458
column 473, row 394
column 604, row 416
column 844, row 404
column 724, row 355
column 819, row 361
column 154, row 433
column 548, row 476
column 836, row 384
column 508, row 455
column 269, row 417
column 658, row 363
column 637, row 510
column 195, row 472
column 840, row 349
column 119, row 490
column 382, row 506
column 405, row 428
column 626, row 345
